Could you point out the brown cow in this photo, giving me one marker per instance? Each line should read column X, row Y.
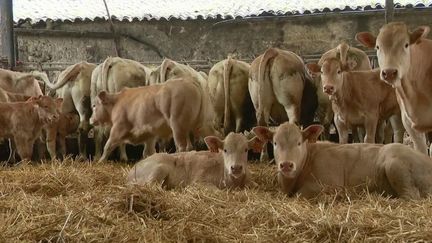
column 175, row 108
column 224, row 166
column 73, row 85
column 228, row 84
column 404, row 59
column 281, row 89
column 355, row 60
column 56, row 132
column 23, row 121
column 358, row 98
column 112, row 75
column 305, row 167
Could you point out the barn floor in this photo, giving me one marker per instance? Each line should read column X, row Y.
column 79, row 201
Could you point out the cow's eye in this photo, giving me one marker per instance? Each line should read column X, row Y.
column 299, row 143
column 377, row 47
column 338, row 71
column 225, row 150
column 274, row 144
column 406, row 45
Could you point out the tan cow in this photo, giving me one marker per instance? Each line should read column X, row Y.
column 355, row 60
column 23, row 121
column 224, row 166
column 305, row 167
column 24, row 83
column 405, row 61
column 112, row 75
column 358, row 98
column 73, row 85
column 228, row 84
column 175, row 108
column 281, row 89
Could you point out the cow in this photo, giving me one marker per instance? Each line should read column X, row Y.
column 228, row 89
column 56, row 132
column 355, row 60
column 403, row 57
column 281, row 89
column 175, row 108
column 111, row 76
column 23, row 121
column 23, row 83
column 358, row 98
column 306, row 167
column 73, row 85
column 224, row 166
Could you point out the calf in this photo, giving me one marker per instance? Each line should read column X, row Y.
column 175, row 108
column 56, row 132
column 358, row 98
column 224, row 166
column 304, row 167
column 23, row 121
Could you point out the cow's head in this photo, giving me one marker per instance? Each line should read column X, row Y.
column 393, row 49
column 289, row 143
column 101, row 109
column 234, row 148
column 48, row 108
column 331, row 74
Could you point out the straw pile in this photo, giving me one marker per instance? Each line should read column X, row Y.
column 78, row 201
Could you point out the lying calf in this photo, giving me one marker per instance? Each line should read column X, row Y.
column 305, row 166
column 225, row 169
column 23, row 121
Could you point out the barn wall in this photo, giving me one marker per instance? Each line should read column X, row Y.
column 202, row 39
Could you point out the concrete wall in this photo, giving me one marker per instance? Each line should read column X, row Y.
column 204, row 39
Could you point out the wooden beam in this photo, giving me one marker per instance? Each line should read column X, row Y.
column 6, row 32
column 389, row 11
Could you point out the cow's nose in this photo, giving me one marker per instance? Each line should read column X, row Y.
column 236, row 169
column 328, row 89
column 389, row 74
column 287, row 166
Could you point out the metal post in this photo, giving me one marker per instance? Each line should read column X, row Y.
column 6, row 32
column 389, row 11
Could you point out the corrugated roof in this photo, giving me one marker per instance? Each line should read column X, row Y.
column 41, row 10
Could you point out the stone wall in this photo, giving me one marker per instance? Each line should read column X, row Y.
column 207, row 39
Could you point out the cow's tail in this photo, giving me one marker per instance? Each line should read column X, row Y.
column 106, row 66
column 227, row 66
column 70, row 73
column 165, row 66
column 268, row 54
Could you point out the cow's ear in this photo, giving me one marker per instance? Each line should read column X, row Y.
column 32, row 98
column 417, row 34
column 366, row 39
column 59, row 102
column 103, row 96
column 313, row 68
column 213, row 143
column 256, row 144
column 263, row 133
column 312, row 133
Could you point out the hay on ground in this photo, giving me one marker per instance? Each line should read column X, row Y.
column 80, row 201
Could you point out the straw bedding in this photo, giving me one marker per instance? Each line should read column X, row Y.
column 74, row 201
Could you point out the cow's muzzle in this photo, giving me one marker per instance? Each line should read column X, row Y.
column 236, row 170
column 329, row 89
column 389, row 75
column 287, row 168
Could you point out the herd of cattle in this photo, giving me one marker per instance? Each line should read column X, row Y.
column 125, row 102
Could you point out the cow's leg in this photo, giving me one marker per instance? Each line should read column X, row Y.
column 123, row 153
column 418, row 138
column 342, row 129
column 380, row 131
column 398, row 128
column 239, row 124
column 370, row 127
column 82, row 105
column 98, row 140
column 24, row 147
column 12, row 151
column 389, row 133
column 181, row 139
column 149, row 147
column 62, row 145
column 358, row 134
column 51, row 136
column 293, row 113
column 115, row 139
